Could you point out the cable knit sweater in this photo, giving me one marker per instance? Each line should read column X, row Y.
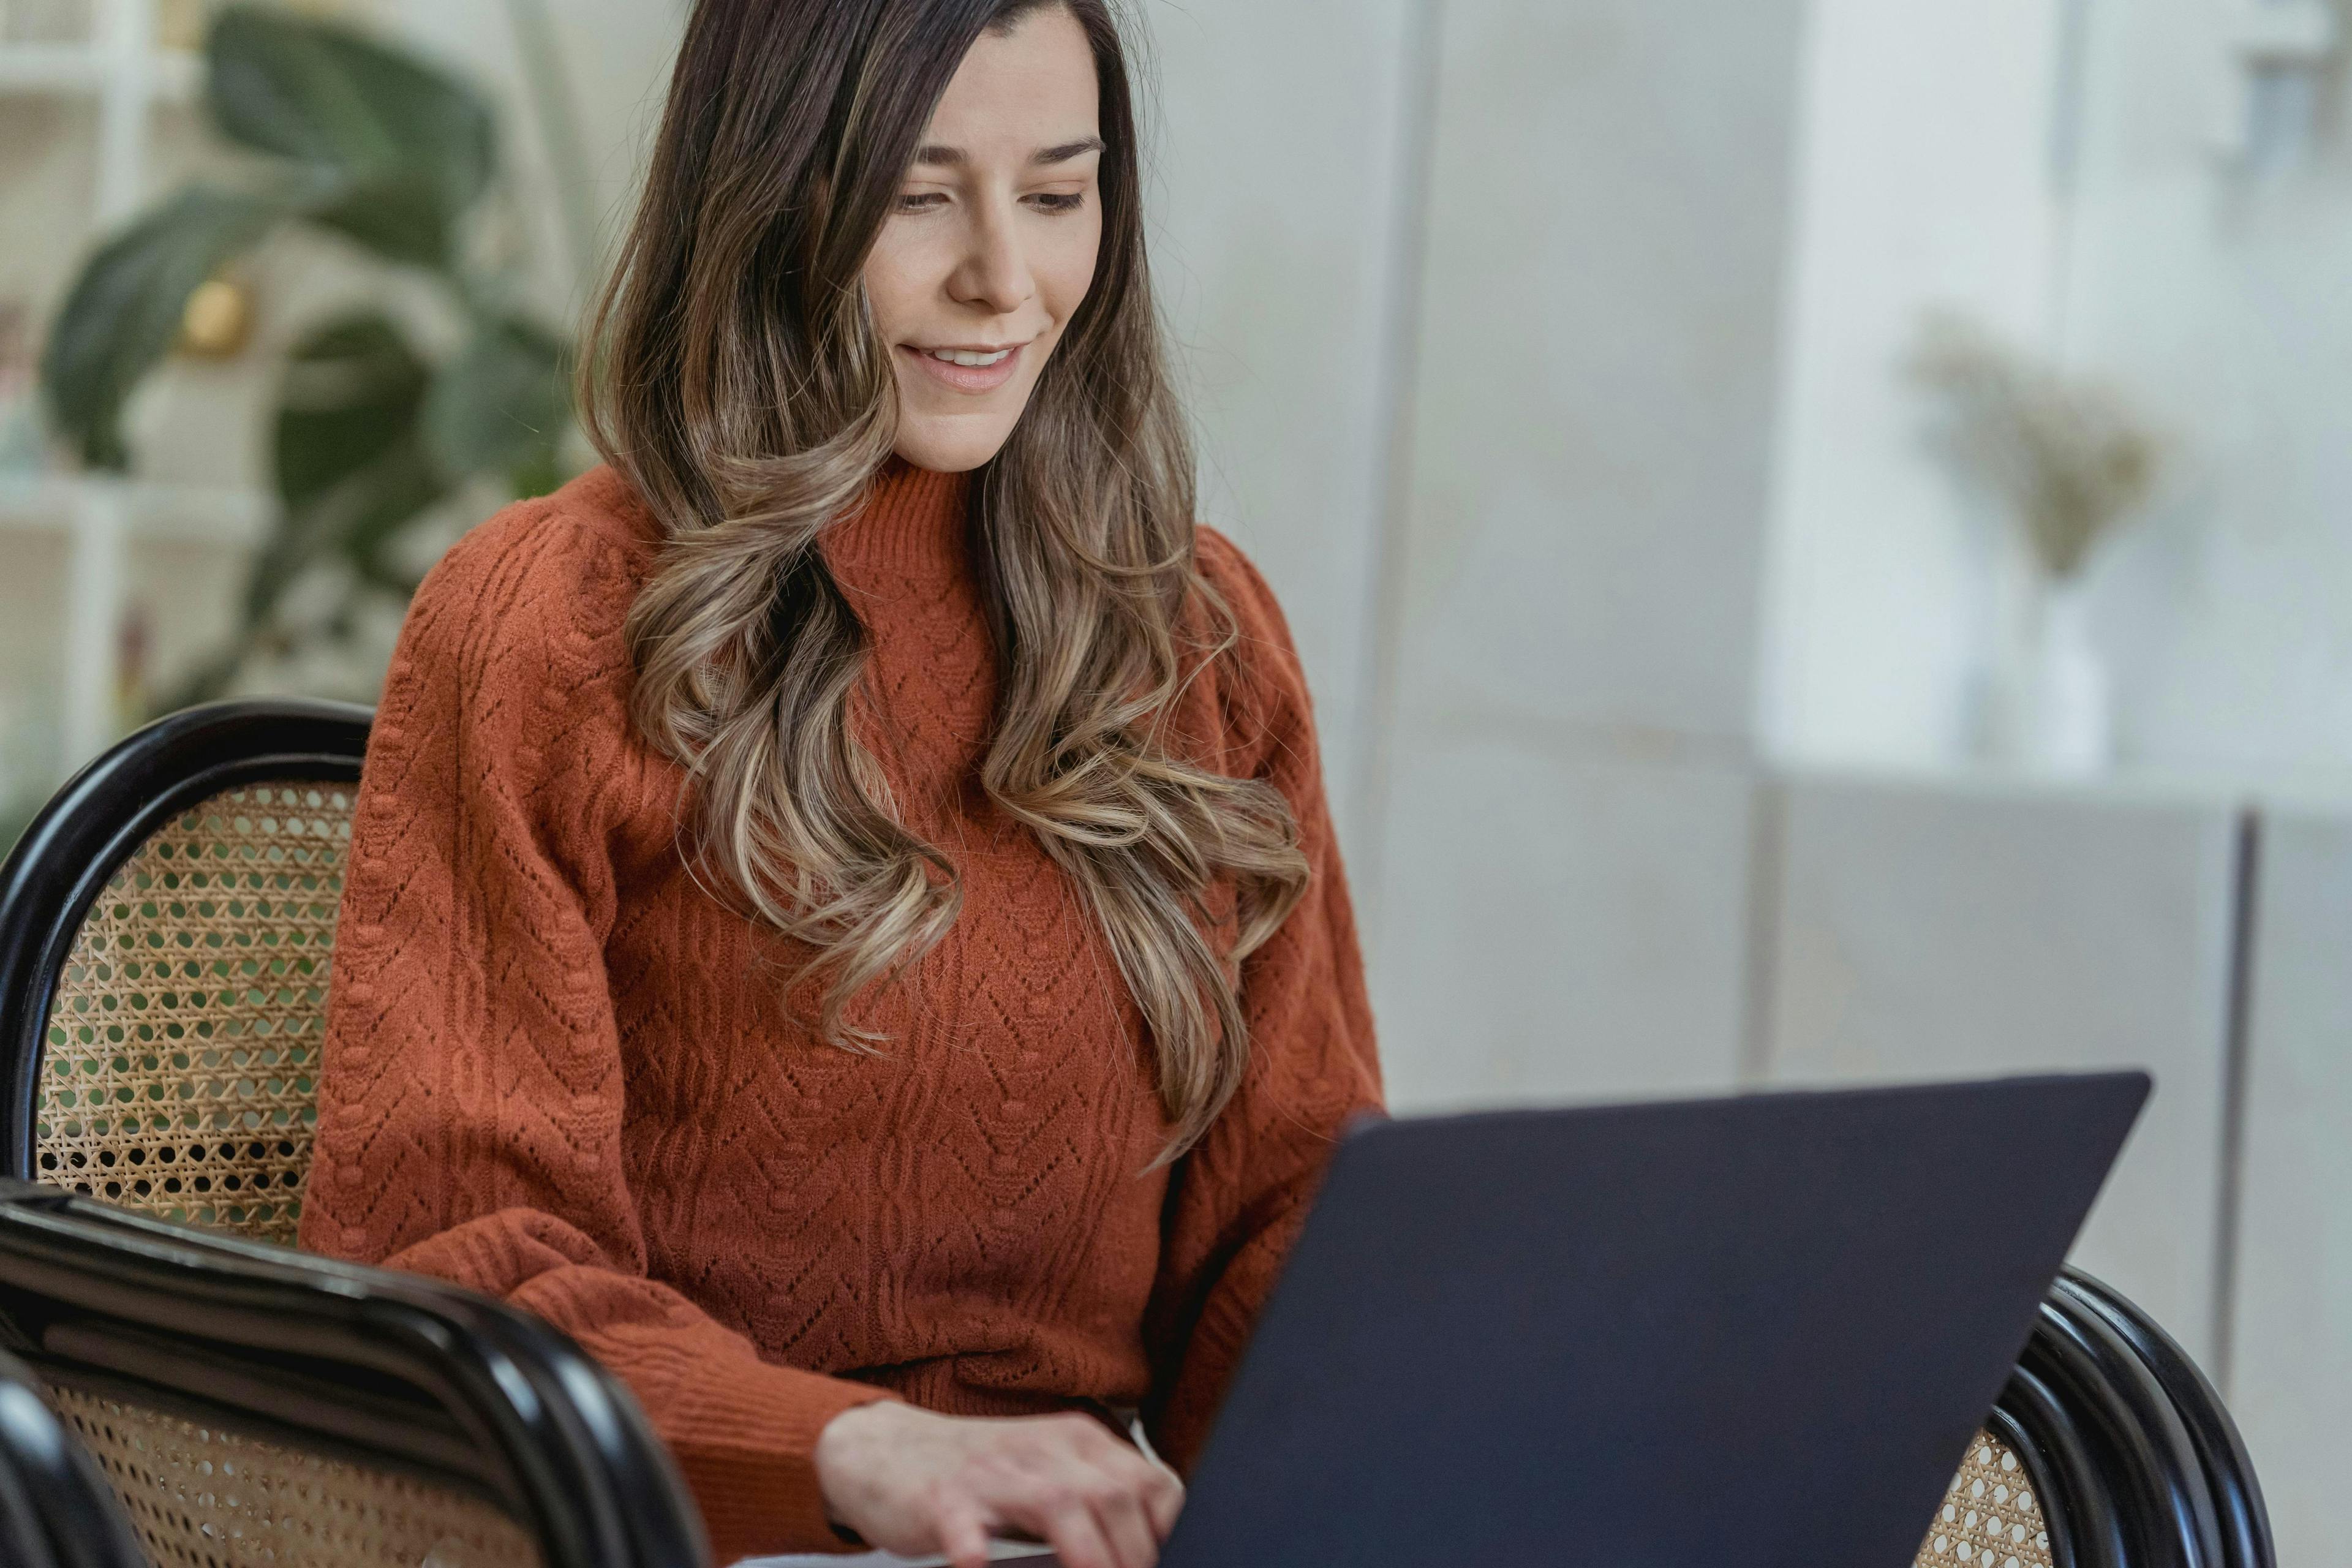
column 557, row 1070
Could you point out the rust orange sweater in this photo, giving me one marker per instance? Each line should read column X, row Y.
column 554, row 1072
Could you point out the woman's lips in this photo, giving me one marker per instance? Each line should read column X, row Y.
column 968, row 378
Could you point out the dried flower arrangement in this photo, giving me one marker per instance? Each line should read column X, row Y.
column 2072, row 458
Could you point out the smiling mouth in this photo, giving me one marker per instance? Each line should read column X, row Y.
column 971, row 359
column 968, row 369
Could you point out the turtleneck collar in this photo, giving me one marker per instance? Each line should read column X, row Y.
column 911, row 525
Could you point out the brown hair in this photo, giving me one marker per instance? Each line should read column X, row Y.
column 736, row 378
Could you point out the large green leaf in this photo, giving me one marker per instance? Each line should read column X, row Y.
column 397, row 216
column 327, row 95
column 124, row 310
column 351, row 391
column 350, row 461
column 502, row 405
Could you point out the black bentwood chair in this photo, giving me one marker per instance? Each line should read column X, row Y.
column 2108, row 1449
column 252, row 1404
column 55, row 1509
column 167, row 927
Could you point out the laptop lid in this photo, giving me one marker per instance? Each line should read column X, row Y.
column 1756, row 1330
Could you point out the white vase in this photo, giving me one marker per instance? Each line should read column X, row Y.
column 2061, row 707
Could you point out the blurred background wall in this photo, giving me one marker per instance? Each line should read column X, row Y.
column 1694, row 718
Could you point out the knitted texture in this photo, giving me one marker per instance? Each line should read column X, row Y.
column 557, row 1069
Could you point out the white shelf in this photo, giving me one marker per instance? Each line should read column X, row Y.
column 197, row 514
column 176, row 74
column 124, row 75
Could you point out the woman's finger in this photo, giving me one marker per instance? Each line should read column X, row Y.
column 1163, row 1498
column 1118, row 1510
column 1069, row 1527
column 1153, row 1485
column 963, row 1537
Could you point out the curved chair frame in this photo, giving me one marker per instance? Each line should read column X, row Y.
column 2132, row 1454
column 54, row 1505
column 2051, row 1447
column 102, row 816
column 2235, row 1497
column 2164, row 1506
column 397, row 1367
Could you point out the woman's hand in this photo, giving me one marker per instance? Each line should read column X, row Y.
column 913, row 1482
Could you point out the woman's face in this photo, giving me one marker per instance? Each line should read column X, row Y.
column 992, row 245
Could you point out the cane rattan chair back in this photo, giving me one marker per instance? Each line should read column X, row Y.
column 1992, row 1517
column 56, row 1508
column 248, row 1404
column 199, row 1487
column 166, row 930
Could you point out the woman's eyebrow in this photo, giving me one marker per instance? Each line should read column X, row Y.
column 938, row 157
column 1067, row 151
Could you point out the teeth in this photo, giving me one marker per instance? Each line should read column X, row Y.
column 958, row 356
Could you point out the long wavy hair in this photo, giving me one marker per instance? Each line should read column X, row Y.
column 736, row 379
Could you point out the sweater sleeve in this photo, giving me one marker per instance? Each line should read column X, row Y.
column 1240, row 1196
column 472, row 1087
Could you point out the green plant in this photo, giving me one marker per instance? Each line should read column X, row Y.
column 372, row 430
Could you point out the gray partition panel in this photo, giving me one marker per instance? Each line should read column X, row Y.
column 2291, row 1362
column 1938, row 929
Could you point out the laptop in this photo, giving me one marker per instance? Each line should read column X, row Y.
column 1756, row 1330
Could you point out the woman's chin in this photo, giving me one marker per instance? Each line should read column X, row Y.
column 952, row 445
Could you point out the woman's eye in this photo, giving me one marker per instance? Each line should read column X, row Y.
column 1054, row 201
column 921, row 201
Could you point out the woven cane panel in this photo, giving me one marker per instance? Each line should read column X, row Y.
column 183, row 1048
column 203, row 1498
column 1989, row 1518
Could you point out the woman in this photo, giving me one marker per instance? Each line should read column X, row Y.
column 842, row 916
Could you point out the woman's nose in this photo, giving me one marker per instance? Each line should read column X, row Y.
column 994, row 273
